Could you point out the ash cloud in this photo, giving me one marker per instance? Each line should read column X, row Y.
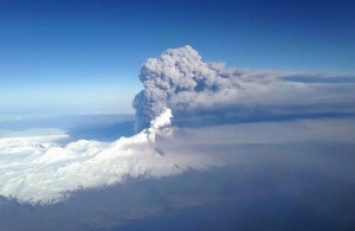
column 172, row 80
column 197, row 91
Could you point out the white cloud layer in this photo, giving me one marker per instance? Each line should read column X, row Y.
column 37, row 170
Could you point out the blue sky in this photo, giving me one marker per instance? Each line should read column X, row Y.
column 70, row 57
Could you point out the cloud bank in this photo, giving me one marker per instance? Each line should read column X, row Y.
column 37, row 170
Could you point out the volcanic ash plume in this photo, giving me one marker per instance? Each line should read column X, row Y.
column 176, row 80
column 193, row 90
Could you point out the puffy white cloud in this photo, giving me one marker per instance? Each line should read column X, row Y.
column 38, row 170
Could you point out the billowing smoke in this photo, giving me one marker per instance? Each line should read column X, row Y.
column 181, row 81
column 174, row 80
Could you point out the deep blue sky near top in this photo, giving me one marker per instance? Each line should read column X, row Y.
column 72, row 56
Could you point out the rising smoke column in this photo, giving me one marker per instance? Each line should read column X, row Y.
column 175, row 80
